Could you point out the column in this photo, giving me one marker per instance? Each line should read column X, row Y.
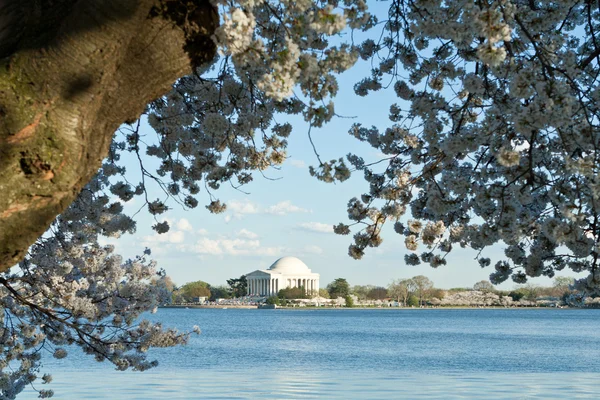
column 250, row 281
column 277, row 285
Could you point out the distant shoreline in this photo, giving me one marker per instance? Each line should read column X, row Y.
column 254, row 307
column 210, row 306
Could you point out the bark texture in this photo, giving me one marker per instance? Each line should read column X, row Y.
column 72, row 71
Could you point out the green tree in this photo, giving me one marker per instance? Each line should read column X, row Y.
column 238, row 287
column 361, row 291
column 338, row 288
column 219, row 292
column 422, row 286
column 413, row 301
column 292, row 293
column 323, row 293
column 191, row 290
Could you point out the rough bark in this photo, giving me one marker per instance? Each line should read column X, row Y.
column 72, row 71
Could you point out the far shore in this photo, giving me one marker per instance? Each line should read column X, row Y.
column 370, row 308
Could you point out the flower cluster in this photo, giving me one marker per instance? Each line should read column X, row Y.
column 494, row 137
column 217, row 126
column 71, row 291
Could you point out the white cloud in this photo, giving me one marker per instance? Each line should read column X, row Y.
column 237, row 209
column 202, row 232
column 208, row 246
column 234, row 247
column 246, row 234
column 173, row 236
column 184, row 225
column 297, row 163
column 312, row 249
column 242, row 207
column 283, row 208
column 316, row 227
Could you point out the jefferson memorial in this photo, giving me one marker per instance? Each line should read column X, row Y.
column 284, row 273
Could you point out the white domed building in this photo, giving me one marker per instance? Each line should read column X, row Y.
column 285, row 272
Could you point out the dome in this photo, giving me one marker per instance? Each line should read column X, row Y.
column 290, row 266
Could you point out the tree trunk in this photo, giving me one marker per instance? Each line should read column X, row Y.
column 72, row 71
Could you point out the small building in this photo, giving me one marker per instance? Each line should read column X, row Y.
column 284, row 273
column 200, row 299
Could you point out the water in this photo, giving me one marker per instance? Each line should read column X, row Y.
column 366, row 354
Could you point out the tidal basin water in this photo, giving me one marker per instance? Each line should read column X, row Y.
column 356, row 354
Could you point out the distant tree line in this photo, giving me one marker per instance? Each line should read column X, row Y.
column 416, row 291
column 192, row 291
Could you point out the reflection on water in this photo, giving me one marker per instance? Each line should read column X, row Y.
column 366, row 354
column 281, row 384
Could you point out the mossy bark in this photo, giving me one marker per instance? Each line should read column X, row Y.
column 65, row 89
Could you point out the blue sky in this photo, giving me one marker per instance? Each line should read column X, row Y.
column 292, row 214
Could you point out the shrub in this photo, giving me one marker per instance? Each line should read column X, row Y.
column 413, row 301
column 349, row 302
column 273, row 300
column 516, row 295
